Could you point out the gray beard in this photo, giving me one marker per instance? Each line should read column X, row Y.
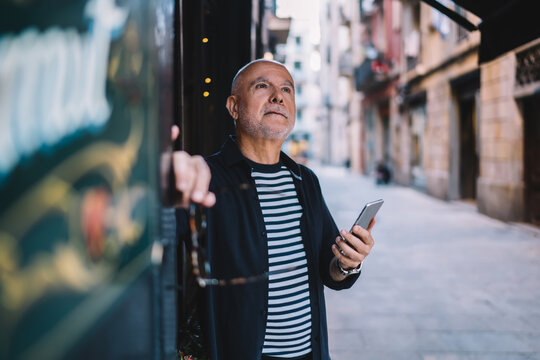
column 259, row 130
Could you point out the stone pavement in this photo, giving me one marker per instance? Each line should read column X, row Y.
column 443, row 282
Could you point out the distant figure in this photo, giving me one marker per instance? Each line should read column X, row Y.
column 382, row 174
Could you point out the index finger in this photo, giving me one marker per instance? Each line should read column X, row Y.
column 371, row 224
column 363, row 235
column 175, row 131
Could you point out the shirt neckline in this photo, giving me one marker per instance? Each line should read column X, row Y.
column 265, row 168
column 232, row 155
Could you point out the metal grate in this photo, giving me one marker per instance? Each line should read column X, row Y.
column 528, row 66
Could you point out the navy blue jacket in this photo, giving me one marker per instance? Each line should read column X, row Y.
column 237, row 247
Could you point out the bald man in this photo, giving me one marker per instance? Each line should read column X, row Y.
column 270, row 229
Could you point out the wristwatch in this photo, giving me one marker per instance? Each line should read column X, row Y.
column 352, row 271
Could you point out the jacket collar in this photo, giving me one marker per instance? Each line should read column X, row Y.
column 232, row 156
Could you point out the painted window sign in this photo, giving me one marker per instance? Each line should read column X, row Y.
column 79, row 112
column 53, row 83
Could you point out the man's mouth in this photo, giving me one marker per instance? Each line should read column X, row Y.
column 277, row 113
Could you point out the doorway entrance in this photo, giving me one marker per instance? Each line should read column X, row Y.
column 417, row 126
column 464, row 159
column 468, row 156
column 531, row 117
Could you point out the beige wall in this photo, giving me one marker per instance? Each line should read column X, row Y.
column 402, row 171
column 500, row 187
column 437, row 138
column 439, row 107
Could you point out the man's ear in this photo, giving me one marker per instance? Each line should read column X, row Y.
column 232, row 106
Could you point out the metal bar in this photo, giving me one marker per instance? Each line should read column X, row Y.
column 452, row 15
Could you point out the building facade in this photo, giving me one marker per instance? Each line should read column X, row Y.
column 443, row 123
column 508, row 185
column 335, row 80
column 438, row 105
column 377, row 78
column 301, row 56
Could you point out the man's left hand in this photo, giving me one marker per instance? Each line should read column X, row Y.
column 351, row 253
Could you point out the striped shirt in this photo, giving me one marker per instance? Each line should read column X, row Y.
column 288, row 325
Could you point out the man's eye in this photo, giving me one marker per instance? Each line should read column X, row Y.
column 260, row 86
column 287, row 90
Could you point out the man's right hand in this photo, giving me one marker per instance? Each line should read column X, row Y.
column 192, row 176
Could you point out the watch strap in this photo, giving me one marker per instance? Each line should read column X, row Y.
column 348, row 272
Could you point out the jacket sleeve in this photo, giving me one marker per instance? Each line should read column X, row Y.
column 329, row 234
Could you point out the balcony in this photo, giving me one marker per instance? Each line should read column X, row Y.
column 278, row 30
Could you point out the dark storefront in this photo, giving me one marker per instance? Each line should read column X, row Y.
column 89, row 264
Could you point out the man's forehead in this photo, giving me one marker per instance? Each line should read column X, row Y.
column 261, row 70
column 264, row 78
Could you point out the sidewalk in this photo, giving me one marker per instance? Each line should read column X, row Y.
column 443, row 282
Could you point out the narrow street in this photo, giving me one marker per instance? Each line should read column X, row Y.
column 443, row 282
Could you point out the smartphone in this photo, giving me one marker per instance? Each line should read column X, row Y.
column 368, row 213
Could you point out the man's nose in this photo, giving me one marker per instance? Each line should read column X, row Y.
column 277, row 97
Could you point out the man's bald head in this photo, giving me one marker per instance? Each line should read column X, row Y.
column 262, row 101
column 237, row 80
